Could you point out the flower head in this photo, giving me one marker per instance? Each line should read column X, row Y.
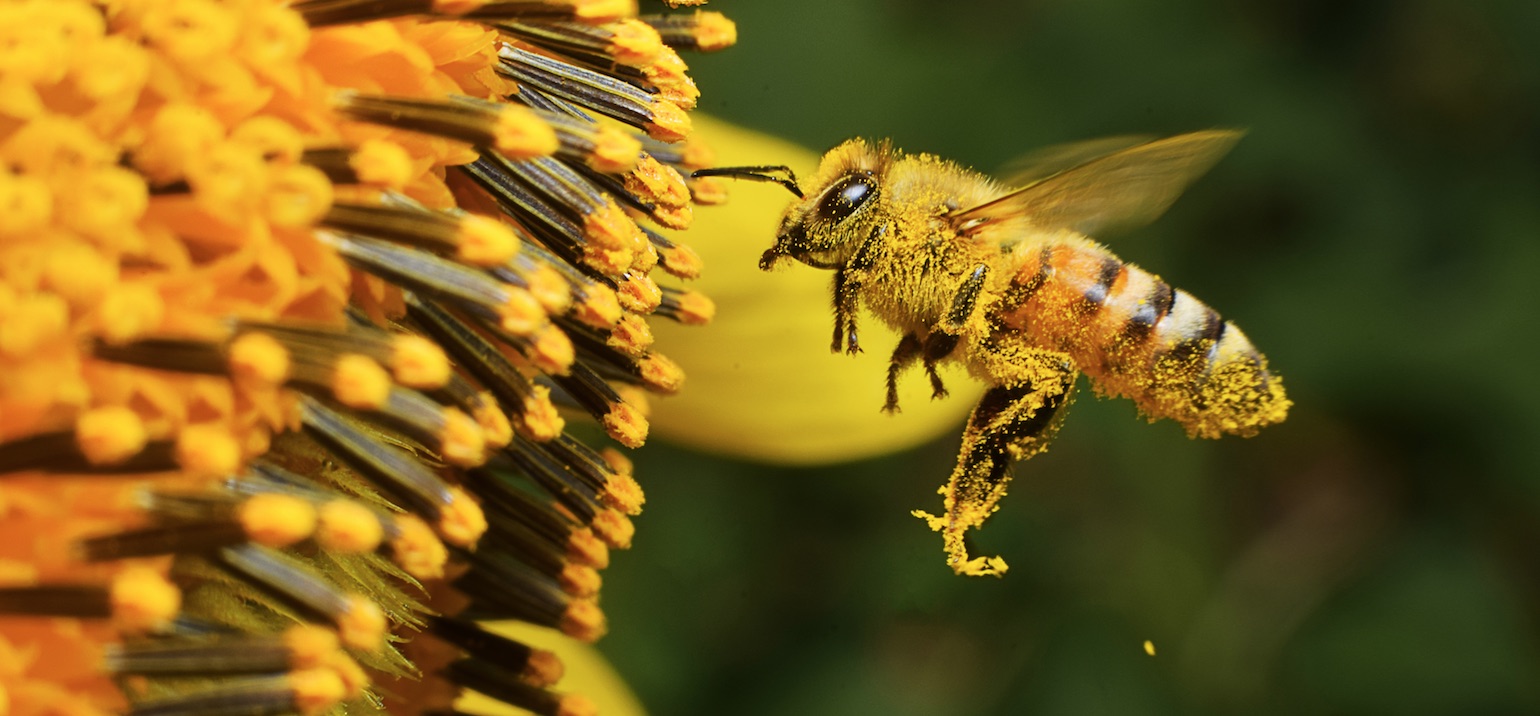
column 295, row 300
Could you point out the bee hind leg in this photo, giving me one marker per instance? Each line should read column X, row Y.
column 1010, row 423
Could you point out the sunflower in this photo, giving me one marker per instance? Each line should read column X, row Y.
column 297, row 301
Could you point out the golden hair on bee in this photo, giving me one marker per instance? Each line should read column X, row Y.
column 1009, row 283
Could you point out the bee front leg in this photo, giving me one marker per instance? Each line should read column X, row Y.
column 1010, row 423
column 847, row 292
column 847, row 295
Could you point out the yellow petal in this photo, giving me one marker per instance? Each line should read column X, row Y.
column 763, row 383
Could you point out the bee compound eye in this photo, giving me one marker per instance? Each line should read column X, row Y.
column 846, row 196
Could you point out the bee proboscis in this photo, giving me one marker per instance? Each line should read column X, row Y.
column 1009, row 283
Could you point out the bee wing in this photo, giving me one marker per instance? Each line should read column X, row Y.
column 1125, row 188
column 1045, row 162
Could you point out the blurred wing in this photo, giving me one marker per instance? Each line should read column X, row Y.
column 1124, row 189
column 1040, row 164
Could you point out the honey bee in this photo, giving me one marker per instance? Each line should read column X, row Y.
column 1007, row 282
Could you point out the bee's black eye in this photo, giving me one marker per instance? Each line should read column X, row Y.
column 846, row 196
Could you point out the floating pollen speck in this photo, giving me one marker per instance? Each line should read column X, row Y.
column 299, row 298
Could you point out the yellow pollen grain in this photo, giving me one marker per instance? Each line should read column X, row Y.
column 495, row 428
column 662, row 374
column 1149, row 647
column 130, row 311
column 610, row 228
column 417, row 550
column 626, row 425
column 26, row 204
column 143, row 600
column 553, row 351
column 708, row 191
column 521, row 314
column 31, row 321
column 617, row 461
column 462, row 521
column 359, row 382
column 678, row 218
column 259, row 358
column 309, row 645
column 277, row 520
column 631, row 336
column 543, row 669
column 600, row 307
column 584, row 548
column 681, row 261
column 484, row 241
column 207, row 450
column 539, row 420
column 417, row 362
column 646, row 259
column 614, row 528
column 624, row 493
column 696, row 308
column 583, row 621
column 713, row 31
column 316, row 690
column 522, row 134
column 548, row 287
column 669, row 122
column 614, row 152
column 354, row 679
column 639, row 294
column 668, row 75
column 462, row 442
column 109, row 434
column 576, row 705
column 580, row 580
column 298, row 196
column 654, row 181
column 346, row 527
column 362, row 624
column 608, row 261
column 382, row 163
column 634, row 43
column 697, row 155
column 596, row 11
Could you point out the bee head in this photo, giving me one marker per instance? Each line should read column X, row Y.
column 824, row 228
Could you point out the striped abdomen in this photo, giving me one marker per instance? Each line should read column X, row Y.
column 1138, row 337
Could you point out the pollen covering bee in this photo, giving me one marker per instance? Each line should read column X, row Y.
column 1008, row 282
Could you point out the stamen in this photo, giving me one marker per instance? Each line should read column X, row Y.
column 502, row 587
column 477, row 355
column 375, row 162
column 515, row 131
column 535, row 667
column 515, row 308
column 502, row 684
column 620, row 420
column 686, row 306
column 473, row 239
column 359, row 621
column 626, row 42
column 274, row 520
column 300, row 647
column 308, row 691
column 701, row 31
column 601, row 93
column 677, row 259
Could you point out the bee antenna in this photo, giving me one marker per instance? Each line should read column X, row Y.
column 757, row 173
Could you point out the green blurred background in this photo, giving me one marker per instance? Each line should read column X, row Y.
column 1375, row 234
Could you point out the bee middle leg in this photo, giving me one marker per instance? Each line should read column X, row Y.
column 1010, row 423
